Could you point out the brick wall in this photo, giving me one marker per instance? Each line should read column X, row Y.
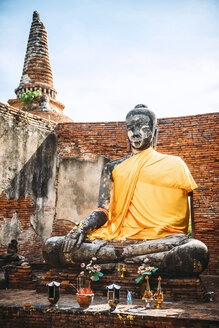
column 193, row 138
column 87, row 140
column 56, row 318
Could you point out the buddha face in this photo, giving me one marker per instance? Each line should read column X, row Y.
column 140, row 131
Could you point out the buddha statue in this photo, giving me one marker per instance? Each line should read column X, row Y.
column 143, row 211
column 11, row 256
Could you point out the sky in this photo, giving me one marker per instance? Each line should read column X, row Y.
column 109, row 55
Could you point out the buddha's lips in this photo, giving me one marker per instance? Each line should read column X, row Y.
column 137, row 140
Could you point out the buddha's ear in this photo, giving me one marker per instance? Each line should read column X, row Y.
column 154, row 141
column 130, row 146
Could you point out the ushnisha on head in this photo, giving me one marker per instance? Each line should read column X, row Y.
column 141, row 126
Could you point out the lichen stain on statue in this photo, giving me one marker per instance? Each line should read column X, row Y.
column 140, row 197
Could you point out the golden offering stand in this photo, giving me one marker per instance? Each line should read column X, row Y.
column 148, row 295
column 123, row 271
column 158, row 296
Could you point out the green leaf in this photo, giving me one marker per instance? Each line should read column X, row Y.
column 96, row 276
column 139, row 279
column 146, row 273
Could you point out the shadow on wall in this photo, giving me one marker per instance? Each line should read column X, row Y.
column 31, row 195
column 33, row 180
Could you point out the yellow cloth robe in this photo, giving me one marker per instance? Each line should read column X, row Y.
column 150, row 198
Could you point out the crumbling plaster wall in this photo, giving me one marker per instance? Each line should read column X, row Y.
column 27, row 177
column 77, row 189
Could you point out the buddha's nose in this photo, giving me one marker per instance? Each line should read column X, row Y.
column 136, row 132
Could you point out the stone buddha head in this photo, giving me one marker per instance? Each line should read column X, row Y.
column 141, row 126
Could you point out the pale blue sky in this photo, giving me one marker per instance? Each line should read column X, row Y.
column 109, row 55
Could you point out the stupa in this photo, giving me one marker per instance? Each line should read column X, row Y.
column 37, row 75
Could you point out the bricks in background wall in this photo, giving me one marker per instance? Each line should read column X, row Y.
column 25, row 208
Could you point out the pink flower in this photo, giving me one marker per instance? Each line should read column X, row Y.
column 94, row 258
column 82, row 273
column 82, row 265
column 92, row 278
column 99, row 268
column 146, row 260
column 95, row 266
column 147, row 268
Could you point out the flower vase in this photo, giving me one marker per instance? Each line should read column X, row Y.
column 84, row 300
column 84, row 294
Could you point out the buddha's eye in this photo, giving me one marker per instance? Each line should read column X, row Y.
column 145, row 127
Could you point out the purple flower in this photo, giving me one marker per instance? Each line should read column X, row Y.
column 94, row 258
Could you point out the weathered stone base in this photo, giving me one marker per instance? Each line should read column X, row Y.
column 189, row 289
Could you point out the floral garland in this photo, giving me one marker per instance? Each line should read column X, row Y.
column 78, row 227
column 144, row 270
column 92, row 271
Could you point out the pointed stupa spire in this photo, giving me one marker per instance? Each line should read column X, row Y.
column 37, row 73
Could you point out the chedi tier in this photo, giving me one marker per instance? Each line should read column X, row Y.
column 37, row 75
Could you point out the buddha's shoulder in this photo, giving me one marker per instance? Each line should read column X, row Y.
column 110, row 166
column 173, row 160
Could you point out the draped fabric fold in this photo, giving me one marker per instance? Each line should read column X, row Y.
column 149, row 198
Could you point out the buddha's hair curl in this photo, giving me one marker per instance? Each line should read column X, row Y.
column 143, row 109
